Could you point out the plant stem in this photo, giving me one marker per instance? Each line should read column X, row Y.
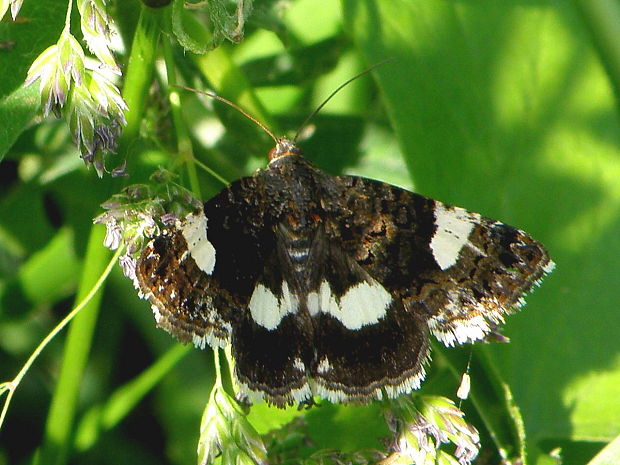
column 184, row 143
column 218, row 368
column 59, row 425
column 68, row 17
column 139, row 74
column 11, row 386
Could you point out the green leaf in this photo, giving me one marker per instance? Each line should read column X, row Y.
column 265, row 418
column 503, row 108
column 339, row 427
column 37, row 27
column 225, row 20
column 16, row 112
column 35, row 279
column 188, row 31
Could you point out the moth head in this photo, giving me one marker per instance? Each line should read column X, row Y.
column 284, row 148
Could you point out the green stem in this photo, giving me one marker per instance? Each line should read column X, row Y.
column 59, row 425
column 231, row 367
column 218, row 369
column 68, row 16
column 212, row 172
column 11, row 386
column 139, row 74
column 123, row 400
column 184, row 142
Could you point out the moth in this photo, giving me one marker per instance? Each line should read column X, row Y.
column 331, row 286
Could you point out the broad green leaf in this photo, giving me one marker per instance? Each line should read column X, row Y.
column 35, row 280
column 504, row 108
column 224, row 20
column 16, row 112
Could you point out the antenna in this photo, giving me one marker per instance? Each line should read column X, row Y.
column 344, row 84
column 231, row 104
column 312, row 115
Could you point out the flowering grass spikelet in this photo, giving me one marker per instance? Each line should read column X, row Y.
column 139, row 212
column 225, row 431
column 15, row 6
column 57, row 69
column 421, row 426
column 95, row 24
column 77, row 87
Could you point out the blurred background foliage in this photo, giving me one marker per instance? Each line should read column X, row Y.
column 508, row 108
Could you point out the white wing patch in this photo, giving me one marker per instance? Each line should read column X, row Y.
column 299, row 365
column 296, row 396
column 454, row 225
column 324, row 366
column 268, row 310
column 194, row 230
column 363, row 304
column 323, row 301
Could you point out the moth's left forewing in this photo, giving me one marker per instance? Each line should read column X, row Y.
column 485, row 269
column 457, row 271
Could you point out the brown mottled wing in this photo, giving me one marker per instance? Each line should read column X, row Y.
column 212, row 308
column 458, row 272
column 187, row 302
